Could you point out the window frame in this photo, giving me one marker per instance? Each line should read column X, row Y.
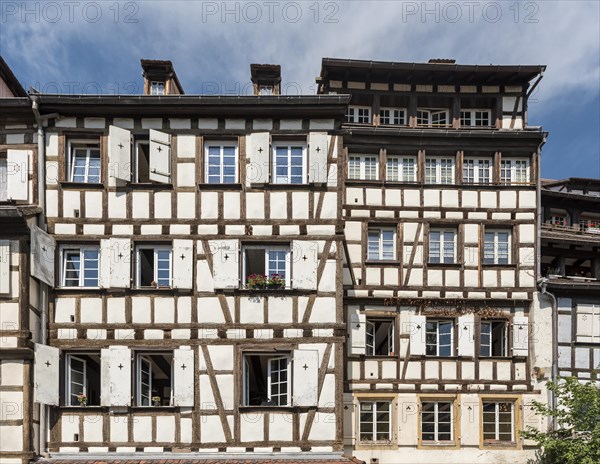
column 438, row 334
column 268, row 248
column 454, row 420
column 374, row 422
column 155, row 88
column 401, row 168
column 400, row 115
column 380, row 244
column 514, row 165
column 496, row 246
column 270, row 357
column 221, row 144
column 353, row 115
column 477, row 168
column 472, row 114
column 81, row 249
column 513, row 412
column 430, row 112
column 288, row 144
column 88, row 145
column 442, row 248
column 68, row 381
column 138, row 270
column 145, row 356
column 438, row 176
column 362, row 167
column 391, row 335
column 490, row 333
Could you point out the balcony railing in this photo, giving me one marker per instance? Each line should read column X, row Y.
column 589, row 232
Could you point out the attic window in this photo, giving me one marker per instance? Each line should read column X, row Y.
column 266, row 90
column 157, row 88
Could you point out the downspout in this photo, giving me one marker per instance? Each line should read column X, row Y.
column 554, row 375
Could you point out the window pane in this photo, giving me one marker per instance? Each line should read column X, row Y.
column 393, row 169
column 408, row 170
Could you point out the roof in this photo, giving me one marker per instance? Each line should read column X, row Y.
column 222, row 459
column 430, row 73
column 573, row 181
column 11, row 80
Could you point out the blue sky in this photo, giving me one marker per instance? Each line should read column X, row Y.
column 70, row 47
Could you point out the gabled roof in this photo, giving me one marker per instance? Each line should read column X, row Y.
column 11, row 80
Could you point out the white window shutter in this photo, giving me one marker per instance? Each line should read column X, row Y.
column 417, row 335
column 183, row 377
column 306, row 378
column 4, row 267
column 17, row 174
column 46, row 372
column 115, row 376
column 160, row 157
column 466, row 335
column 304, row 264
column 183, row 270
column 105, row 259
column 225, row 257
column 259, row 149
column 317, row 156
column 42, row 255
column 120, row 262
column 520, row 339
column 358, row 331
column 119, row 154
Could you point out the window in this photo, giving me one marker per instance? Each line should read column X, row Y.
column 84, row 161
column 401, row 169
column 375, row 421
column 442, row 246
column 269, row 261
column 433, row 117
column 380, row 337
column 358, row 114
column 80, row 266
column 82, row 379
column 439, row 337
column 514, row 171
column 496, row 247
column 267, row 380
column 493, row 340
column 141, row 147
column 154, row 379
column 477, row 171
column 558, row 220
column 157, row 88
column 475, row 117
column 439, row 170
column 289, row 163
column 588, row 323
column 3, row 177
column 498, row 420
column 153, row 266
column 381, row 244
column 437, row 421
column 363, row 167
column 392, row 116
column 221, row 162
column 591, row 225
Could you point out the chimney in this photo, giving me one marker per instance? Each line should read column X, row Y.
column 266, row 79
column 160, row 78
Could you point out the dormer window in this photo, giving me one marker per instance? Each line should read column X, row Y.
column 157, row 88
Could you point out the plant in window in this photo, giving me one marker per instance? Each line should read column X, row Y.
column 276, row 281
column 82, row 399
column 256, row 281
column 156, row 400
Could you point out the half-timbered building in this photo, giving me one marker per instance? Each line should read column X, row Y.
column 196, row 303
column 439, row 200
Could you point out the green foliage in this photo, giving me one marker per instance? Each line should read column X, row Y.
column 576, row 438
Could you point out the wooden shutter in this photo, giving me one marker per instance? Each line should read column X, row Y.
column 119, row 154
column 304, row 264
column 520, row 336
column 588, row 323
column 120, row 262
column 115, row 376
column 225, row 257
column 4, row 267
column 358, row 331
column 183, row 271
column 417, row 335
column 183, row 377
column 160, row 157
column 466, row 335
column 349, row 418
column 317, row 157
column 46, row 372
column 259, row 148
column 17, row 174
column 305, row 378
column 43, row 249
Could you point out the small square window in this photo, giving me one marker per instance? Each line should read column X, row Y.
column 514, row 171
column 82, row 379
column 263, row 262
column 439, row 170
column 365, row 167
column 157, row 88
column 494, row 339
column 267, row 380
column 477, row 171
column 382, row 243
column 154, row 377
column 379, row 337
column 358, row 114
column 83, row 161
column 153, row 265
column 475, row 118
column 392, row 116
column 401, row 169
column 221, row 166
column 497, row 246
column 289, row 163
column 80, row 266
column 439, row 338
column 442, row 246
